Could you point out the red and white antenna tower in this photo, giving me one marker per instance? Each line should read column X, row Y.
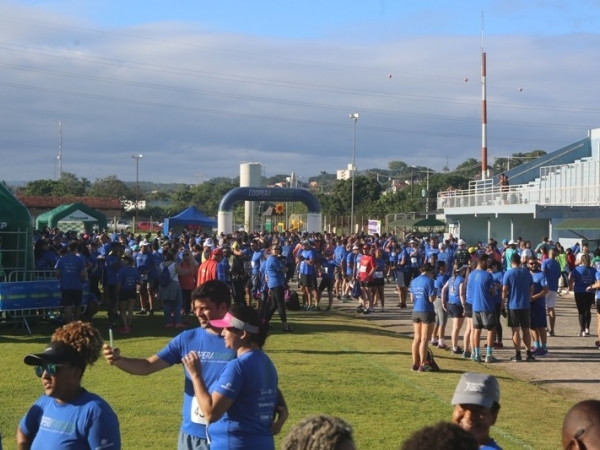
column 484, row 165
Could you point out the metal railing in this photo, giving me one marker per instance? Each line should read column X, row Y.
column 575, row 184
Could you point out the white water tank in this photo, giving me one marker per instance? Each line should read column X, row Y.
column 250, row 176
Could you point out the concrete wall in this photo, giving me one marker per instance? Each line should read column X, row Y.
column 473, row 229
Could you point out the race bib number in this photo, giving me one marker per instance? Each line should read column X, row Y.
column 413, row 261
column 378, row 275
column 362, row 269
column 196, row 413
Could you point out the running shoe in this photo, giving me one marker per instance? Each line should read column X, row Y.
column 141, row 312
column 597, row 344
column 288, row 329
column 457, row 350
column 466, row 355
column 425, row 368
column 491, row 359
column 415, row 368
column 366, row 311
column 433, row 342
column 587, row 332
column 442, row 346
column 359, row 309
column 541, row 352
column 530, row 358
column 498, row 345
column 476, row 358
column 328, row 308
column 516, row 358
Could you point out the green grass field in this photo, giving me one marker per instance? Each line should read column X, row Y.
column 333, row 364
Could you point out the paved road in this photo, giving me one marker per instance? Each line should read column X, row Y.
column 572, row 361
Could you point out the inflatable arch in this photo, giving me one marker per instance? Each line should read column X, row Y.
column 253, row 194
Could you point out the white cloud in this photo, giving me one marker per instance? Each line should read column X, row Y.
column 197, row 103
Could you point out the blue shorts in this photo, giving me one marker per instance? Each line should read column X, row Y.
column 538, row 316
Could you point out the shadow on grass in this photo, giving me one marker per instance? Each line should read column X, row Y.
column 340, row 352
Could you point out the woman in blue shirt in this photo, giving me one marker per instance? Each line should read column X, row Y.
column 241, row 405
column 580, row 279
column 68, row 416
column 422, row 293
column 454, row 302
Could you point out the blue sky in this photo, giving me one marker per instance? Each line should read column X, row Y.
column 198, row 87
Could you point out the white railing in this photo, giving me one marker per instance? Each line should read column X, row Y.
column 521, row 195
column 574, row 184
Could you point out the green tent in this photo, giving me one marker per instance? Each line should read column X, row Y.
column 75, row 216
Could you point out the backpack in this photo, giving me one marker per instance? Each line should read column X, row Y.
column 165, row 277
column 431, row 361
column 292, row 302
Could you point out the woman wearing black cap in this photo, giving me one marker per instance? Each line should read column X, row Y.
column 68, row 416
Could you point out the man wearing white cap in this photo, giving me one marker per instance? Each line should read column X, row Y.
column 476, row 403
column 462, row 255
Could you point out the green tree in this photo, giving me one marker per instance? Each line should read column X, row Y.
column 397, row 167
column 112, row 187
column 43, row 188
column 70, row 185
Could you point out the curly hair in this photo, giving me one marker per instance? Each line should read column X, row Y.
column 83, row 337
column 318, row 433
column 441, row 436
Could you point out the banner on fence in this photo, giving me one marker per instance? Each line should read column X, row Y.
column 374, row 226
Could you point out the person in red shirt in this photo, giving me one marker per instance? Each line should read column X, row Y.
column 365, row 276
column 208, row 269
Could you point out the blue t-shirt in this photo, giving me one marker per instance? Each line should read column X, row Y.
column 87, row 422
column 584, row 277
column 539, row 283
column 440, row 281
column 551, row 269
column 328, row 267
column 273, row 267
column 144, row 263
column 113, row 264
column 339, row 254
column 454, row 289
column 251, row 382
column 350, row 261
column 70, row 267
column 213, row 358
column 422, row 288
column 255, row 260
column 480, row 284
column 305, row 256
column 491, row 445
column 128, row 276
column 379, row 272
column 498, row 277
column 518, row 281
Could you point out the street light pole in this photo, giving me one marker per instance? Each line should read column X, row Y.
column 354, row 118
column 137, row 184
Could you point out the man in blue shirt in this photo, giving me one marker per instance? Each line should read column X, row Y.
column 71, row 271
column 476, row 403
column 481, row 287
column 144, row 262
column 210, row 302
column 308, row 276
column 517, row 289
column 275, row 270
column 552, row 271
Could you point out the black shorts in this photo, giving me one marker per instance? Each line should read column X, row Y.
column 326, row 283
column 309, row 281
column 127, row 294
column 378, row 282
column 468, row 310
column 423, row 317
column 455, row 311
column 485, row 320
column 71, row 297
column 519, row 318
column 366, row 284
column 598, row 306
column 111, row 291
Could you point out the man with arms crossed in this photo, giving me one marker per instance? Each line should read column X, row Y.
column 517, row 290
column 210, row 302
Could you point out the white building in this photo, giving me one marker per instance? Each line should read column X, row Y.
column 345, row 174
column 556, row 195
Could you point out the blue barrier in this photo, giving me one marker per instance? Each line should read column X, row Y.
column 22, row 299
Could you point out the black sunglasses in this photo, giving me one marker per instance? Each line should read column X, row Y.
column 50, row 369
